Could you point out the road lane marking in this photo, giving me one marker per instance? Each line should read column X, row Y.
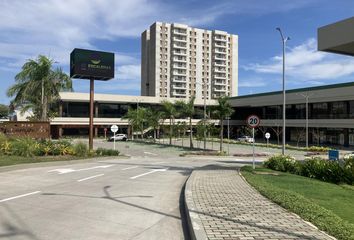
column 151, row 153
column 84, row 179
column 19, row 196
column 157, row 162
column 130, row 168
column 69, row 170
column 152, row 171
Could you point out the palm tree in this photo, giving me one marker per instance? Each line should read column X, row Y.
column 222, row 110
column 141, row 120
column 169, row 111
column 137, row 119
column 153, row 118
column 131, row 115
column 187, row 109
column 38, row 85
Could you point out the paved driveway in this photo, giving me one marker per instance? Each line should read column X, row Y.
column 136, row 198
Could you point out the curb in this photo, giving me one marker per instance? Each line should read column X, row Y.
column 195, row 225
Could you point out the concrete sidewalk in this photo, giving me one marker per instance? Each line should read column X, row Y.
column 221, row 205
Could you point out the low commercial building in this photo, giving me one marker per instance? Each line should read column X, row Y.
column 109, row 109
column 330, row 113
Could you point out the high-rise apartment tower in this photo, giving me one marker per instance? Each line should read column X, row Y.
column 181, row 61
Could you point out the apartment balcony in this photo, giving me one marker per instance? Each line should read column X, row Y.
column 178, row 32
column 218, row 70
column 184, row 40
column 178, row 80
column 219, row 90
column 176, row 73
column 217, row 76
column 179, row 60
column 220, row 64
column 179, row 53
column 220, row 45
column 222, row 58
column 179, row 87
column 180, row 46
column 220, row 51
column 220, row 38
column 179, row 66
column 181, row 94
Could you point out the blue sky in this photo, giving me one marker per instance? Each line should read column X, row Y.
column 55, row 27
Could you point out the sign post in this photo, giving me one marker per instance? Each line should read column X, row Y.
column 253, row 121
column 267, row 136
column 114, row 129
column 88, row 64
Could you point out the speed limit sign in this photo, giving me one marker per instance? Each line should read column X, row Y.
column 253, row 121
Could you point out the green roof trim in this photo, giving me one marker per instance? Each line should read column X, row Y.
column 324, row 87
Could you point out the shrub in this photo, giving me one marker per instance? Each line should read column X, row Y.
column 283, row 163
column 80, row 149
column 318, row 149
column 325, row 170
column 24, row 147
column 106, row 152
column 349, row 170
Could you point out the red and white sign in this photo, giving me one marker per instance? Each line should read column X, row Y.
column 253, row 121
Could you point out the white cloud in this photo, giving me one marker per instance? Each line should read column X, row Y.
column 252, row 82
column 305, row 63
column 128, row 72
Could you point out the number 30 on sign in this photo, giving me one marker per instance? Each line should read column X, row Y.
column 253, row 121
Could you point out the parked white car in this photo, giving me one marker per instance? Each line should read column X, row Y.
column 118, row 137
column 245, row 139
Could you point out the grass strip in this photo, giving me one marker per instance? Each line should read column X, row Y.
column 321, row 217
column 14, row 160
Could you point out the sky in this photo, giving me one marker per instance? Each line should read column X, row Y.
column 55, row 27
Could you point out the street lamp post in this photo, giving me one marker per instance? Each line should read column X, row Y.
column 204, row 117
column 228, row 135
column 284, row 40
column 306, row 96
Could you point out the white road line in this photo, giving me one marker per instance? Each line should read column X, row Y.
column 130, row 168
column 155, row 170
column 84, row 179
column 19, row 196
column 157, row 162
column 69, row 170
column 151, row 153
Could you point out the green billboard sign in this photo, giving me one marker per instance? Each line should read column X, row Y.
column 87, row 64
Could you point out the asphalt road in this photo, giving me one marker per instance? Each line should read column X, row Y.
column 117, row 198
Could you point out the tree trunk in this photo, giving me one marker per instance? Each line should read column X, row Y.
column 155, row 134
column 142, row 132
column 170, row 130
column 221, row 133
column 44, row 109
column 190, row 134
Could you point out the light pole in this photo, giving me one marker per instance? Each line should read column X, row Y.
column 284, row 40
column 306, row 96
column 228, row 135
column 204, row 118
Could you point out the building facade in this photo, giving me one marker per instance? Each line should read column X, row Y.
column 330, row 114
column 178, row 61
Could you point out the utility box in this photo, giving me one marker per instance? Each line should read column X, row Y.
column 333, row 155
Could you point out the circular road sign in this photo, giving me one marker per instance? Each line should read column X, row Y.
column 114, row 128
column 267, row 135
column 253, row 121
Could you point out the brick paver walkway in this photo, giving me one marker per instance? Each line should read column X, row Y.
column 229, row 208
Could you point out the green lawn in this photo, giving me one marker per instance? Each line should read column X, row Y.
column 12, row 160
column 329, row 206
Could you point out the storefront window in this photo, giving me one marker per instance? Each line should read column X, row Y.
column 319, row 110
